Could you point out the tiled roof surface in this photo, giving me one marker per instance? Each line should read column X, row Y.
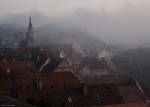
column 127, row 86
column 49, row 81
column 19, row 66
column 10, row 102
column 96, row 95
column 37, row 54
column 23, row 53
column 56, row 79
column 121, row 80
column 131, row 94
column 139, row 104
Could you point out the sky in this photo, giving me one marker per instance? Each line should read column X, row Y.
column 114, row 21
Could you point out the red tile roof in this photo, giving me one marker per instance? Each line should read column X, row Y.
column 131, row 94
column 19, row 66
column 55, row 79
column 23, row 53
column 139, row 104
column 107, row 79
column 96, row 95
column 49, row 81
column 127, row 86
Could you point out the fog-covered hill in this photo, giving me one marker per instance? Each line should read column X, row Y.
column 13, row 29
column 83, row 41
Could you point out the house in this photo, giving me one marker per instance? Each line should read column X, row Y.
column 35, row 54
column 22, row 54
column 55, row 48
column 39, row 55
column 79, row 96
column 130, row 90
column 93, row 67
column 57, row 89
column 21, row 86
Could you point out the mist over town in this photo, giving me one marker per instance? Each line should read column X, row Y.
column 93, row 53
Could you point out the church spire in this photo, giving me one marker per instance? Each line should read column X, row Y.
column 30, row 24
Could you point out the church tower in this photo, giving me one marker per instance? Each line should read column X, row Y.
column 30, row 35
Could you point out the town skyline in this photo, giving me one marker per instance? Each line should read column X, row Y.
column 117, row 22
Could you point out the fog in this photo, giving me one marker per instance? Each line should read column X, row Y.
column 114, row 21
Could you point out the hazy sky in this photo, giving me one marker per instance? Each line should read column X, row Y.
column 114, row 21
column 60, row 7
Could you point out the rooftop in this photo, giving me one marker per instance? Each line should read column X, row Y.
column 131, row 94
column 139, row 104
column 96, row 95
column 6, row 101
column 121, row 80
column 128, row 88
column 18, row 66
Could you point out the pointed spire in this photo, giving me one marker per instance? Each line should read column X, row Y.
column 30, row 24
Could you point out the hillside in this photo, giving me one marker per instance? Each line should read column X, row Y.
column 82, row 40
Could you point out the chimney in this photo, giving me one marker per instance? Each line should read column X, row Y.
column 85, row 90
